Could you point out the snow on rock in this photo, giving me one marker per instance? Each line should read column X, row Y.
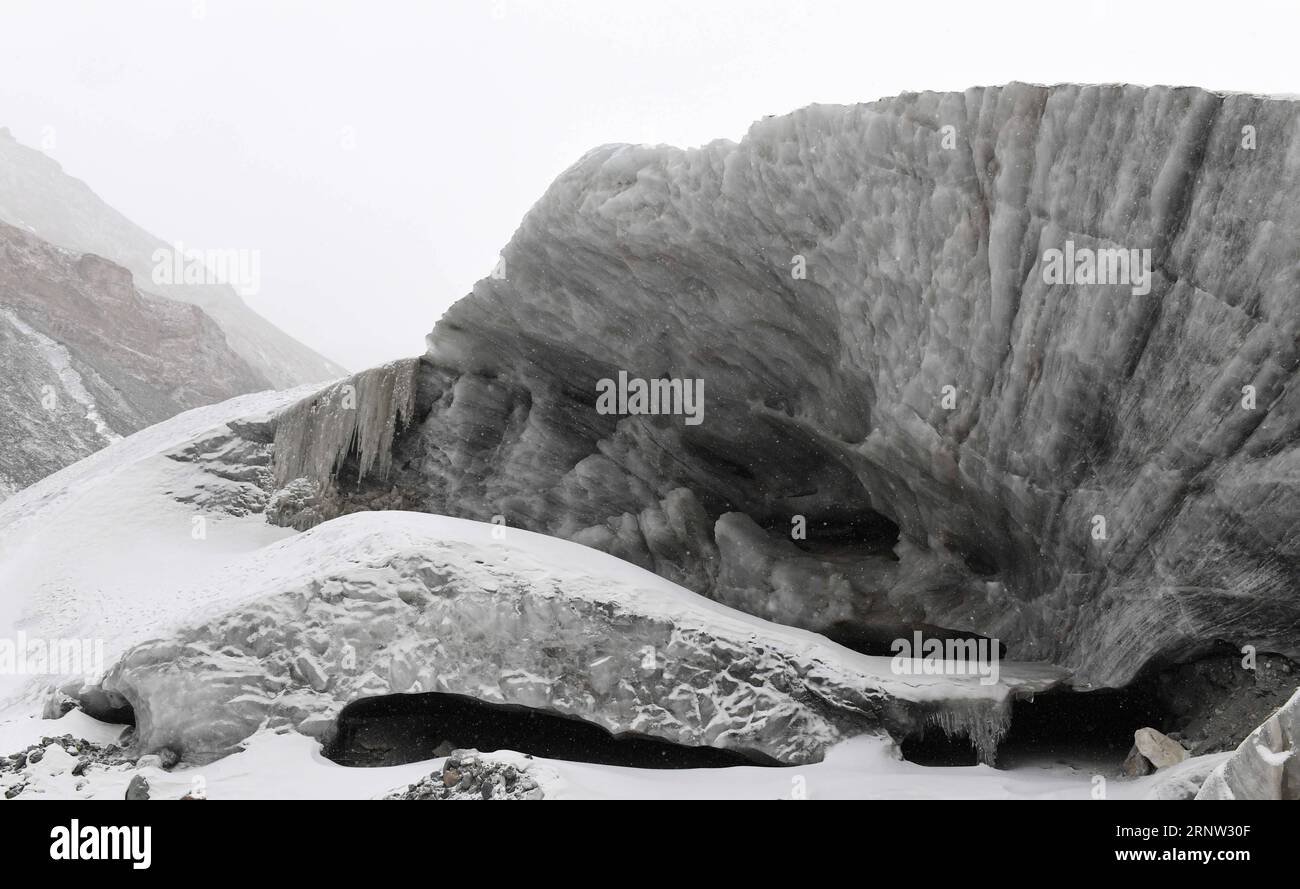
column 1266, row 765
column 117, row 547
column 387, row 602
column 468, row 775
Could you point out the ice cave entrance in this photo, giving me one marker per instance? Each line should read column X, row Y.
column 1083, row 729
column 395, row 729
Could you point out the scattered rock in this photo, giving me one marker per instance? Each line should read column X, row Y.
column 1136, row 765
column 138, row 789
column 168, row 757
column 1158, row 749
column 467, row 775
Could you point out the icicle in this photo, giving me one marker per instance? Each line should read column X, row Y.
column 361, row 414
column 983, row 723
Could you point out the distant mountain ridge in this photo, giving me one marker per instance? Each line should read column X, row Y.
column 38, row 196
column 86, row 358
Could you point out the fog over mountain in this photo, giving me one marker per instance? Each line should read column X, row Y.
column 540, row 401
column 36, row 195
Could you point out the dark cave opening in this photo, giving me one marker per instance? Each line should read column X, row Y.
column 109, row 707
column 878, row 639
column 402, row 728
column 865, row 533
column 1084, row 729
column 858, row 534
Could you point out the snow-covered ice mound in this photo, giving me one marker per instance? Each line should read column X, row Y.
column 162, row 536
column 396, row 602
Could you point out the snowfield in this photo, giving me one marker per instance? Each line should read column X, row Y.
column 104, row 550
column 289, row 766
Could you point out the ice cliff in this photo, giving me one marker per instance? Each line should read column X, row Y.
column 1102, row 475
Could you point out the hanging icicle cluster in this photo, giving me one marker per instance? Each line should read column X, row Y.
column 362, row 414
column 984, row 723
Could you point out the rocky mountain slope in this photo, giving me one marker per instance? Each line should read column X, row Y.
column 1098, row 468
column 87, row 358
column 38, row 196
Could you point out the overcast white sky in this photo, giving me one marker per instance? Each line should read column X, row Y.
column 223, row 123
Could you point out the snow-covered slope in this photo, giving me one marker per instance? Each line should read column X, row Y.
column 103, row 550
column 287, row 765
column 145, row 537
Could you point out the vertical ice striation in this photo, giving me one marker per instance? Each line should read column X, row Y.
column 1024, row 360
column 361, row 415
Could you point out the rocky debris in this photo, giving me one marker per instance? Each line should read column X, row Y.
column 388, row 603
column 57, row 754
column 1216, row 701
column 925, row 272
column 469, row 775
column 1266, row 765
column 138, row 789
column 86, row 752
column 238, row 475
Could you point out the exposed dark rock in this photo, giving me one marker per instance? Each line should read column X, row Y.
column 1216, row 701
